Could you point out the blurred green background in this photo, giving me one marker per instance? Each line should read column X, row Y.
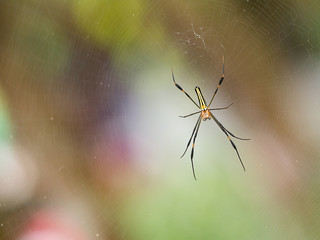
column 90, row 138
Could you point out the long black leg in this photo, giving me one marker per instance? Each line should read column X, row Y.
column 220, row 82
column 231, row 134
column 222, row 127
column 192, row 151
column 180, row 88
column 194, row 129
column 233, row 145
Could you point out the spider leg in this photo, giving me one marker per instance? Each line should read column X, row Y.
column 192, row 151
column 236, row 136
column 180, row 88
column 232, row 143
column 220, row 82
column 222, row 127
column 222, row 108
column 194, row 129
column 190, row 114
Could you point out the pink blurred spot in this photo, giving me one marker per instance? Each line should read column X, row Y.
column 47, row 225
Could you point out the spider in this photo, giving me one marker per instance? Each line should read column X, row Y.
column 206, row 114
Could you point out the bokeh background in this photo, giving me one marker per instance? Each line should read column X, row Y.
column 90, row 138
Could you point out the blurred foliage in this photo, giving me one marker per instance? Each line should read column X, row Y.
column 207, row 209
column 44, row 47
column 111, row 23
column 120, row 26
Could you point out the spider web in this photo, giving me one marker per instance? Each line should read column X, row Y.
column 271, row 53
column 96, row 136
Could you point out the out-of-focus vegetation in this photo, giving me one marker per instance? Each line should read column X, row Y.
column 89, row 135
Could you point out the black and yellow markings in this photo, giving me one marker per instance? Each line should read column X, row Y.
column 201, row 99
column 181, row 89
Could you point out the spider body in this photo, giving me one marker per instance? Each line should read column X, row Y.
column 206, row 114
